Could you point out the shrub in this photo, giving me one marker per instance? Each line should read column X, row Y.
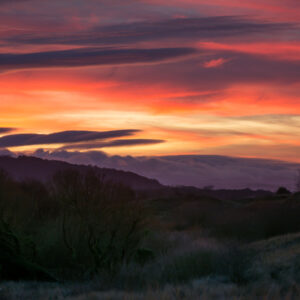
column 298, row 182
column 104, row 216
column 283, row 191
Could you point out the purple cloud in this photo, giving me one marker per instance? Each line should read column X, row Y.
column 114, row 143
column 191, row 75
column 63, row 137
column 89, row 57
column 6, row 129
column 178, row 28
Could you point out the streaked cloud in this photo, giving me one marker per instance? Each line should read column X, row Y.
column 11, row 1
column 63, row 137
column 114, row 143
column 214, row 63
column 284, row 50
column 89, row 57
column 6, row 130
column 175, row 28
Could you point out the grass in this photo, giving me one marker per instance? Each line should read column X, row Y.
column 207, row 289
column 192, row 267
column 278, row 258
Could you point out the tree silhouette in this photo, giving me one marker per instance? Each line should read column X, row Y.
column 298, row 181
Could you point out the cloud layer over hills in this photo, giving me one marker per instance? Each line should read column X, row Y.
column 192, row 170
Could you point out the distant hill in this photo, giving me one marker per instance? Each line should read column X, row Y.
column 222, row 172
column 236, row 195
column 27, row 167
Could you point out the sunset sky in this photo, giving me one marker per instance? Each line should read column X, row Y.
column 151, row 77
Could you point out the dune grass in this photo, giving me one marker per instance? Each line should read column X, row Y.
column 206, row 289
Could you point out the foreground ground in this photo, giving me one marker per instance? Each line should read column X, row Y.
column 94, row 239
column 275, row 273
column 202, row 289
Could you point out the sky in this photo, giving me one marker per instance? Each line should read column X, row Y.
column 151, row 77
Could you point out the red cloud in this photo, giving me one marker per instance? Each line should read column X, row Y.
column 214, row 63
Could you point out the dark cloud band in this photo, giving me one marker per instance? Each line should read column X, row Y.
column 114, row 143
column 6, row 129
column 178, row 28
column 2, row 2
column 89, row 57
column 63, row 137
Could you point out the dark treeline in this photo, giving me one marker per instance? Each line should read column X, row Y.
column 76, row 225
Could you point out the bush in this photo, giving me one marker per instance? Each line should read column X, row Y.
column 283, row 191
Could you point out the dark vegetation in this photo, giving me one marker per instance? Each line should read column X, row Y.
column 28, row 168
column 80, row 225
column 76, row 226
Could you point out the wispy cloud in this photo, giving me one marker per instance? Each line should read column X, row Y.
column 6, row 129
column 63, row 137
column 11, row 1
column 175, row 28
column 89, row 57
column 214, row 63
column 114, row 143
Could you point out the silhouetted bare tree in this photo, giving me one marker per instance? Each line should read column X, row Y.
column 298, row 181
column 106, row 216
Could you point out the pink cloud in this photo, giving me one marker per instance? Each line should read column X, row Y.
column 275, row 49
column 214, row 63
